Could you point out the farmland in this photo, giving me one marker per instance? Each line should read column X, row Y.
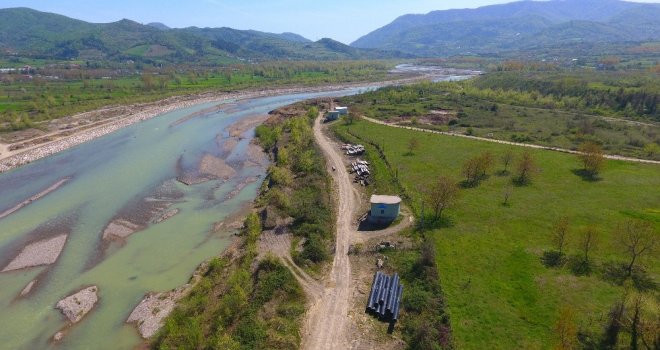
column 498, row 292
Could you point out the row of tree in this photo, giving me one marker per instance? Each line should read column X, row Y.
column 444, row 191
column 636, row 239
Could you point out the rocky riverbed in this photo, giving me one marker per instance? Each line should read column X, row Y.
column 140, row 112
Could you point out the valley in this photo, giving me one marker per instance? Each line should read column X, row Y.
column 226, row 175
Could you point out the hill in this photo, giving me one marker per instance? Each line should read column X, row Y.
column 30, row 33
column 517, row 26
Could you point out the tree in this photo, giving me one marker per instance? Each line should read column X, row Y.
column 637, row 238
column 525, row 169
column 148, row 81
column 565, row 330
column 471, row 171
column 476, row 168
column 507, row 195
column 486, row 161
column 413, row 145
column 506, row 159
column 560, row 234
column 591, row 156
column 349, row 119
column 442, row 194
column 588, row 242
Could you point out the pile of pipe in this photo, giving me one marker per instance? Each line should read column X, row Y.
column 353, row 150
column 361, row 169
column 385, row 297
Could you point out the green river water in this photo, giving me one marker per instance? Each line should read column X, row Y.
column 110, row 176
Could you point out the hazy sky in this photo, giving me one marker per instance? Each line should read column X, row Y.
column 343, row 20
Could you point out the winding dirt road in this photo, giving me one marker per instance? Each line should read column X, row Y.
column 327, row 320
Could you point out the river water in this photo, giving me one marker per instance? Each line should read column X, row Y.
column 127, row 175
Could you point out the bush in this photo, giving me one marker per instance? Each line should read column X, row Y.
column 314, row 250
column 280, row 176
column 268, row 135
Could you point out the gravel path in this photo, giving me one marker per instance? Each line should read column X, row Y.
column 556, row 149
column 326, row 324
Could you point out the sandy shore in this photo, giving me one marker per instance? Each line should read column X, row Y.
column 215, row 167
column 140, row 112
column 43, row 252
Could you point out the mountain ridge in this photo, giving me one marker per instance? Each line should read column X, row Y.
column 37, row 34
column 437, row 32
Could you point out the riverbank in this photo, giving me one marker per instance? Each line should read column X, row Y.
column 27, row 151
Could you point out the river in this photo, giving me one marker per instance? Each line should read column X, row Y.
column 126, row 176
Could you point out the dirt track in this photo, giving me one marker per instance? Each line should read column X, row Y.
column 327, row 320
column 556, row 149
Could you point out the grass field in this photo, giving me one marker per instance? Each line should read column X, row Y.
column 499, row 294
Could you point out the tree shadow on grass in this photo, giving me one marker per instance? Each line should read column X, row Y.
column 586, row 175
column 473, row 183
column 553, row 259
column 429, row 223
column 617, row 274
column 520, row 182
column 468, row 184
column 503, row 173
column 580, row 266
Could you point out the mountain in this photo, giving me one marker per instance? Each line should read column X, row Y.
column 515, row 26
column 31, row 33
column 158, row 25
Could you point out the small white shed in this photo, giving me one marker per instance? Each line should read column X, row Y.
column 342, row 110
column 384, row 209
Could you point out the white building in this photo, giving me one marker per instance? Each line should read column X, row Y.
column 384, row 209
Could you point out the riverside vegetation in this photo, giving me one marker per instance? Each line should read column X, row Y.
column 60, row 89
column 492, row 246
column 246, row 302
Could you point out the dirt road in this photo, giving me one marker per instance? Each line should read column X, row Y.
column 327, row 320
column 556, row 149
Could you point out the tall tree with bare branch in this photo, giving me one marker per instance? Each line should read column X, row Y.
column 506, row 159
column 565, row 330
column 589, row 241
column 637, row 238
column 560, row 234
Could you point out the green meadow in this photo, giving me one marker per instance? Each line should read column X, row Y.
column 498, row 292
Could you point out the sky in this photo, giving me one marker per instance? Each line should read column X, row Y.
column 343, row 20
